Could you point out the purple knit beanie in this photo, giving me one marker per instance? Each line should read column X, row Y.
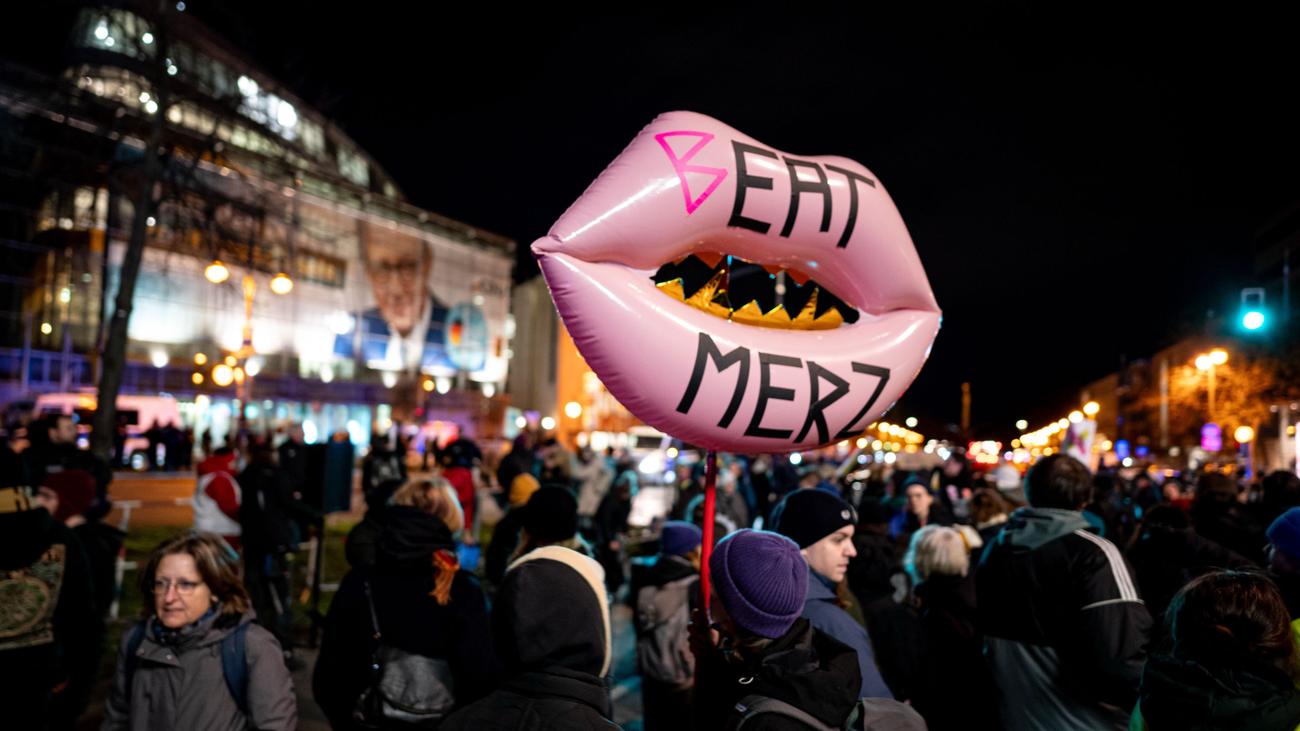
column 762, row 580
column 679, row 538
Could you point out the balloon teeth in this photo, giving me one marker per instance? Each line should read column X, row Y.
column 715, row 298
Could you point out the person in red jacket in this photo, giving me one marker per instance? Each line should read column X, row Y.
column 460, row 462
column 217, row 496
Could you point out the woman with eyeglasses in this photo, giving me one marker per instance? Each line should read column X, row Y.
column 198, row 661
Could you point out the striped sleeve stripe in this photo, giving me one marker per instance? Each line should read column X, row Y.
column 1122, row 580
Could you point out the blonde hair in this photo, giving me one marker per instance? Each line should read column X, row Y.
column 435, row 496
column 937, row 550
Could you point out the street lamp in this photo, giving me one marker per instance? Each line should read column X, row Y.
column 1245, row 436
column 1206, row 363
column 217, row 272
column 1091, row 409
column 281, row 284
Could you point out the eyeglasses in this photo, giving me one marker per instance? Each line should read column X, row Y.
column 403, row 269
column 183, row 587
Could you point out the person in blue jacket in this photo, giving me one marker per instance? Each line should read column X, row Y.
column 822, row 526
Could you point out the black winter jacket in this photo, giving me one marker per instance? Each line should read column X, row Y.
column 409, row 618
column 954, row 691
column 805, row 668
column 1186, row 696
column 1065, row 630
column 551, row 628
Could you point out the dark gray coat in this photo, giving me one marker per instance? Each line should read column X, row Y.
column 182, row 686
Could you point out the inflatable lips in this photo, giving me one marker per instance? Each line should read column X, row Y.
column 696, row 365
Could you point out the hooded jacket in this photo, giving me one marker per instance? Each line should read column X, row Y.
column 1187, row 696
column 820, row 609
column 178, row 683
column 804, row 667
column 409, row 617
column 551, row 626
column 1065, row 630
column 217, row 498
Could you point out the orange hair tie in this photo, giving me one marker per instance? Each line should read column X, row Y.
column 447, row 565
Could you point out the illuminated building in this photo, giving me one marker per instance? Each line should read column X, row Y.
column 254, row 178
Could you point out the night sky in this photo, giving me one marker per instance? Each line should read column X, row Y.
column 1080, row 189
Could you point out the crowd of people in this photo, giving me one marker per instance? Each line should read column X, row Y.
column 481, row 595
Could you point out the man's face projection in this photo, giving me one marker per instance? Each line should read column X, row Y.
column 398, row 271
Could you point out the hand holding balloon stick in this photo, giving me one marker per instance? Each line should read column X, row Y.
column 849, row 325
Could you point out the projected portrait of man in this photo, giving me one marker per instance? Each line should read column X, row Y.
column 405, row 329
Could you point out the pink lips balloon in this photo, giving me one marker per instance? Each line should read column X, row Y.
column 739, row 379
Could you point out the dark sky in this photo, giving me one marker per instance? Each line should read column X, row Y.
column 1080, row 188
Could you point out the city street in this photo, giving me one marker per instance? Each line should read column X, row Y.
column 163, row 500
column 881, row 337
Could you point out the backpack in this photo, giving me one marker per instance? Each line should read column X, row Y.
column 406, row 689
column 663, row 652
column 870, row 714
column 234, row 662
column 31, row 597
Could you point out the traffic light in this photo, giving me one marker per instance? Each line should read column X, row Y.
column 1253, row 315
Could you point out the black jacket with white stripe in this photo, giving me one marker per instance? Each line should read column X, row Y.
column 1066, row 631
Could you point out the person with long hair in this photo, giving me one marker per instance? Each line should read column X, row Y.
column 1232, row 664
column 415, row 599
column 197, row 659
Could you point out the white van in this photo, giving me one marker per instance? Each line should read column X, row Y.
column 139, row 413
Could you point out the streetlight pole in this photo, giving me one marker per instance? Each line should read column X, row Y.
column 1208, row 362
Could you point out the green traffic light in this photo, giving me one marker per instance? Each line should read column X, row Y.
column 1253, row 320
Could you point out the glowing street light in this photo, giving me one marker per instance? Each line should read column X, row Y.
column 281, row 284
column 1022, row 425
column 1091, row 408
column 200, row 359
column 548, row 422
column 1076, row 417
column 1244, row 435
column 1203, row 362
column 1218, row 356
column 217, row 272
column 573, row 409
column 223, row 375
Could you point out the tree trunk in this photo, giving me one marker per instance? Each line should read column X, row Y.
column 104, row 426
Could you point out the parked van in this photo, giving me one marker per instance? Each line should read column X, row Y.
column 138, row 412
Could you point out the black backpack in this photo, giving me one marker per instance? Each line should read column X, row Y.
column 871, row 714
